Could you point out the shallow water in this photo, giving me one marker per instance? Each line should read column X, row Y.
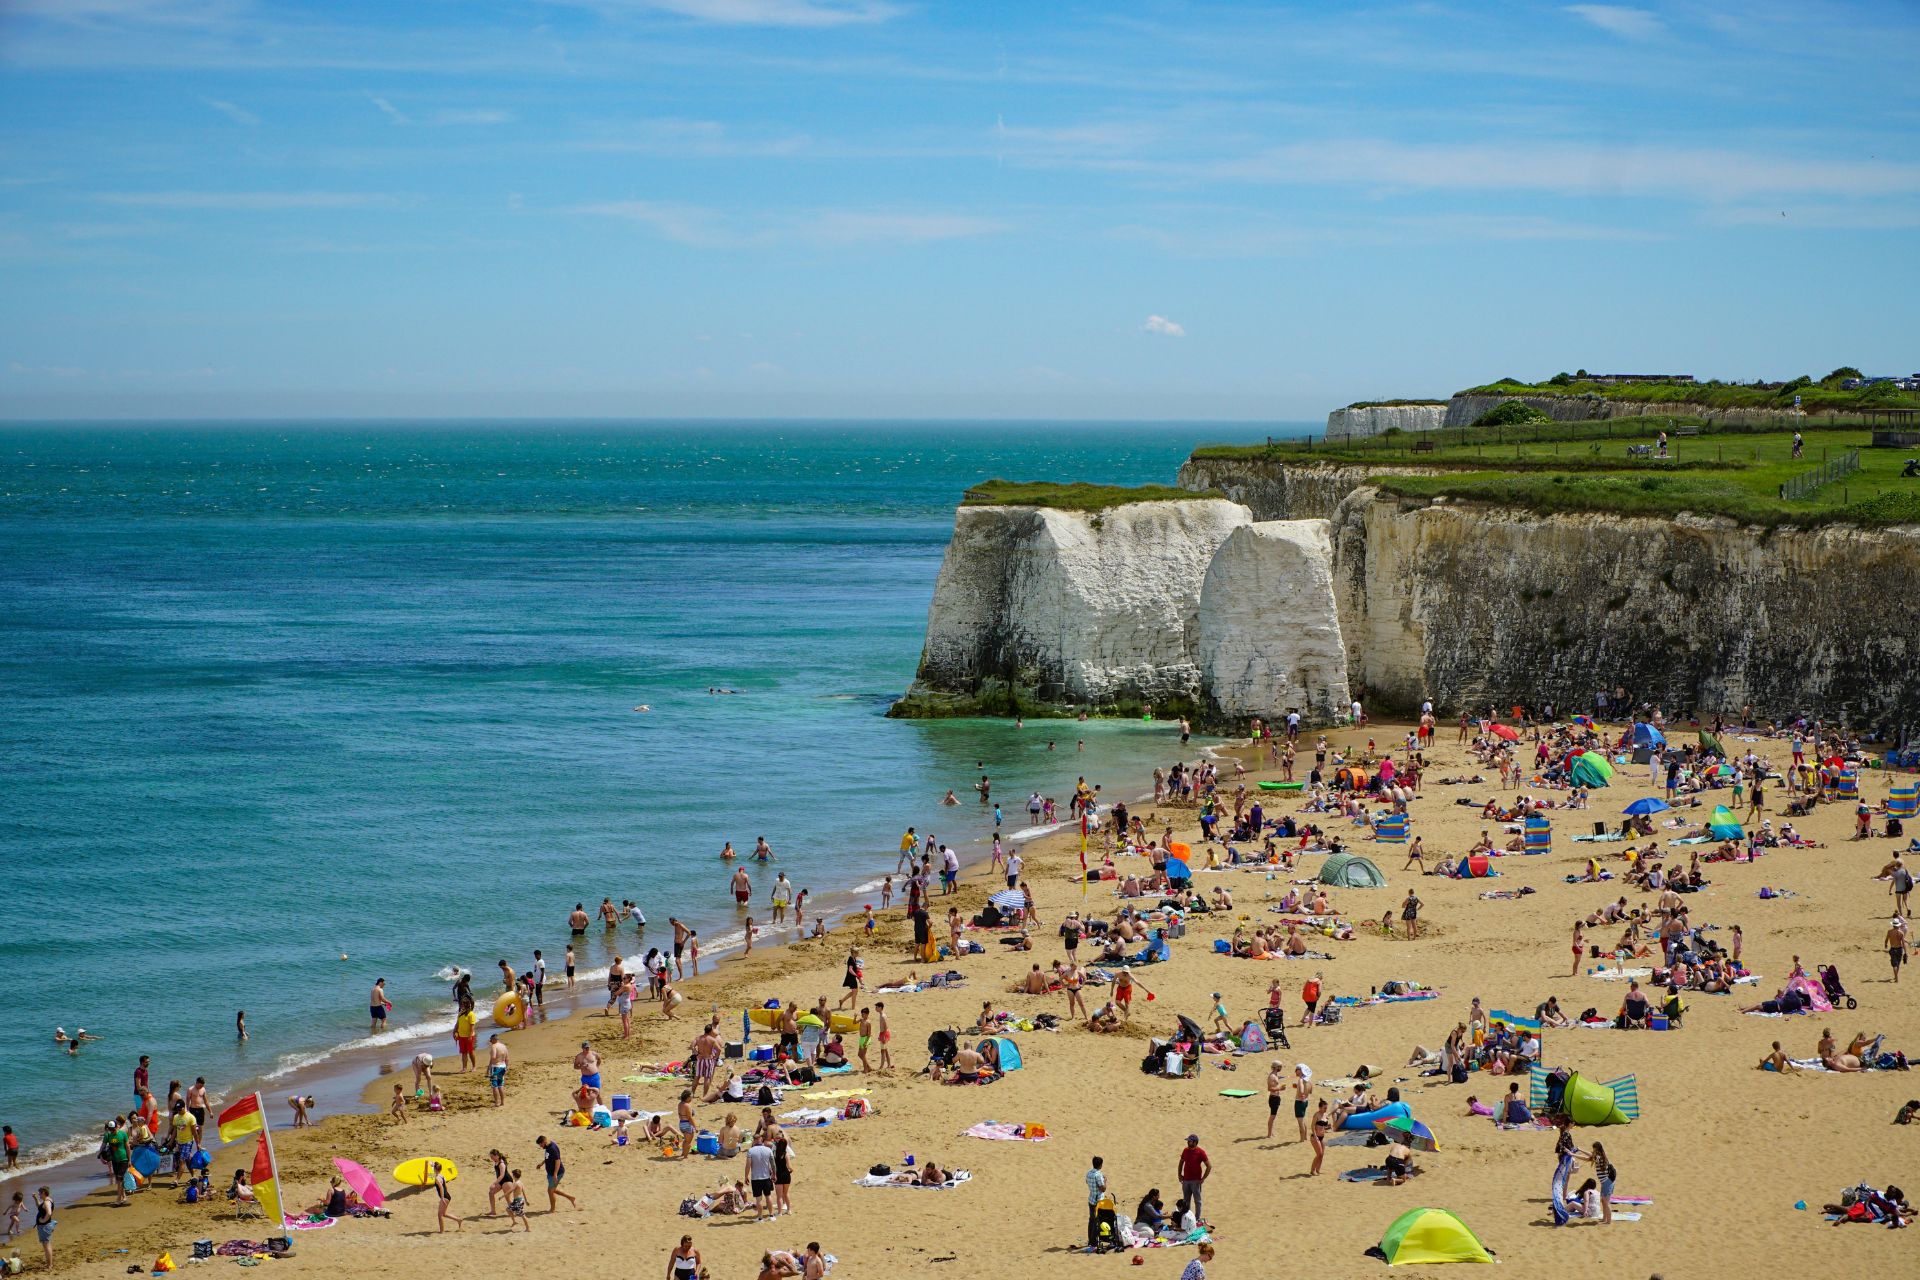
column 278, row 693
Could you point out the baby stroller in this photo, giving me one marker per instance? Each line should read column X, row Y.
column 1830, row 979
column 1277, row 1029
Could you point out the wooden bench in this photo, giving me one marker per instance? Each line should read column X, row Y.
column 1423, row 446
column 1689, row 430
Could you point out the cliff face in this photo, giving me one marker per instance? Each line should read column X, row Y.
column 1473, row 605
column 1351, row 424
column 1037, row 609
column 1269, row 630
column 1464, row 411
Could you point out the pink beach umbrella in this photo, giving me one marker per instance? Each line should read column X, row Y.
column 361, row 1182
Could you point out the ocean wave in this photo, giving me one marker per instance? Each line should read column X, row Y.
column 42, row 1159
column 1034, row 833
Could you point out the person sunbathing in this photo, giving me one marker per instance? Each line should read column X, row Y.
column 1830, row 1056
column 730, row 1199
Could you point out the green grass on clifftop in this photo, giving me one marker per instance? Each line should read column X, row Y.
column 1073, row 497
column 1567, row 466
column 1826, row 396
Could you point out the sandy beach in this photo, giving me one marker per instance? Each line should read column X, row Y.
column 1722, row 1149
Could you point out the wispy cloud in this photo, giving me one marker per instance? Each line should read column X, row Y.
column 1619, row 20
column 1565, row 168
column 676, row 138
column 233, row 112
column 1164, row 327
column 475, row 116
column 466, row 116
column 715, row 229
column 778, row 13
column 388, row 110
column 250, row 200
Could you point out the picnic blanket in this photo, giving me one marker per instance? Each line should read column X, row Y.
column 872, row 1180
column 995, row 1131
column 809, row 1117
column 1619, row 975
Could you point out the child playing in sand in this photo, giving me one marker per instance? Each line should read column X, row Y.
column 399, row 1108
column 19, row 1206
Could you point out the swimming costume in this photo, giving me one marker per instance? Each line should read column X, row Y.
column 591, row 1081
column 496, row 1076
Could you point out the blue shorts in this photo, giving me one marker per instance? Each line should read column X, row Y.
column 592, row 1081
column 496, row 1076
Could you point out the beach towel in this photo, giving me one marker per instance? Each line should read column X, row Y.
column 656, row 1078
column 1692, row 840
column 1363, row 1175
column 1631, row 1199
column 1618, row 975
column 958, row 1176
column 995, row 1131
column 809, row 1117
column 835, row 1093
column 1608, row 838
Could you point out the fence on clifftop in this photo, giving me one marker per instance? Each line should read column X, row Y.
column 1824, row 474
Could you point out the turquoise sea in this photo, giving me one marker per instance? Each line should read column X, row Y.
column 279, row 692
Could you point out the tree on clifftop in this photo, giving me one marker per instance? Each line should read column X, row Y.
column 1844, row 371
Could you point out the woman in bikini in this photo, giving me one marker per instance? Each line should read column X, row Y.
column 1321, row 1123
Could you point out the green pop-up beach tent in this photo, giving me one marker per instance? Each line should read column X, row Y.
column 1430, row 1236
column 1351, row 871
column 1590, row 769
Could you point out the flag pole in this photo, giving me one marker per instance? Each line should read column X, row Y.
column 266, row 1135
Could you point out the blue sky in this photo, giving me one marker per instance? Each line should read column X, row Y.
column 887, row 208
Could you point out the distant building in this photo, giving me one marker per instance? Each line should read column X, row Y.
column 1640, row 377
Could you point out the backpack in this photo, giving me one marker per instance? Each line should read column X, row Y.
column 765, row 1098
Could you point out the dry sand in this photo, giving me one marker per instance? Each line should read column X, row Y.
column 1723, row 1149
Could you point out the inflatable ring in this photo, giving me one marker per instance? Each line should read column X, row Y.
column 508, row 1012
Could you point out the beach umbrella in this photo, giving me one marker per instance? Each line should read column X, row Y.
column 1640, row 808
column 1835, row 761
column 1009, row 900
column 360, row 1182
column 1191, row 1027
column 1506, row 731
column 1410, row 1131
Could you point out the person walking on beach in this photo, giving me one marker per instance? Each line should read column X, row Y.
column 497, row 1069
column 538, row 977
column 1194, row 1169
column 464, row 1038
column 517, row 1205
column 1015, row 865
column 44, row 1222
column 556, row 1172
column 1897, row 944
column 377, row 1006
column 781, row 896
column 742, row 887
column 852, row 980
column 1900, row 885
column 759, row 1162
column 444, row 1194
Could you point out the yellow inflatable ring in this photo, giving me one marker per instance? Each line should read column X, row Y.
column 508, row 1012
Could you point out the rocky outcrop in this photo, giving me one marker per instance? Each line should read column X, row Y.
column 1276, row 492
column 1473, row 605
column 1464, row 411
column 1372, row 420
column 1039, row 610
column 1269, row 630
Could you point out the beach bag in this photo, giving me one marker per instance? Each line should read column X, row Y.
column 765, row 1097
column 1459, row 1073
column 855, row 1108
column 880, row 1171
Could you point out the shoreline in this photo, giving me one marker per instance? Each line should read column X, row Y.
column 1697, row 1084
column 337, row 1076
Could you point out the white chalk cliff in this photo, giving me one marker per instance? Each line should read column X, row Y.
column 1040, row 610
column 1269, row 627
column 1361, row 421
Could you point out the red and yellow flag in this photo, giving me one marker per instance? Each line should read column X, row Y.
column 242, row 1118
column 266, row 1180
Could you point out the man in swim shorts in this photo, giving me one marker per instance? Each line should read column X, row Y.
column 497, row 1069
column 587, row 1063
column 377, row 1008
column 742, row 887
